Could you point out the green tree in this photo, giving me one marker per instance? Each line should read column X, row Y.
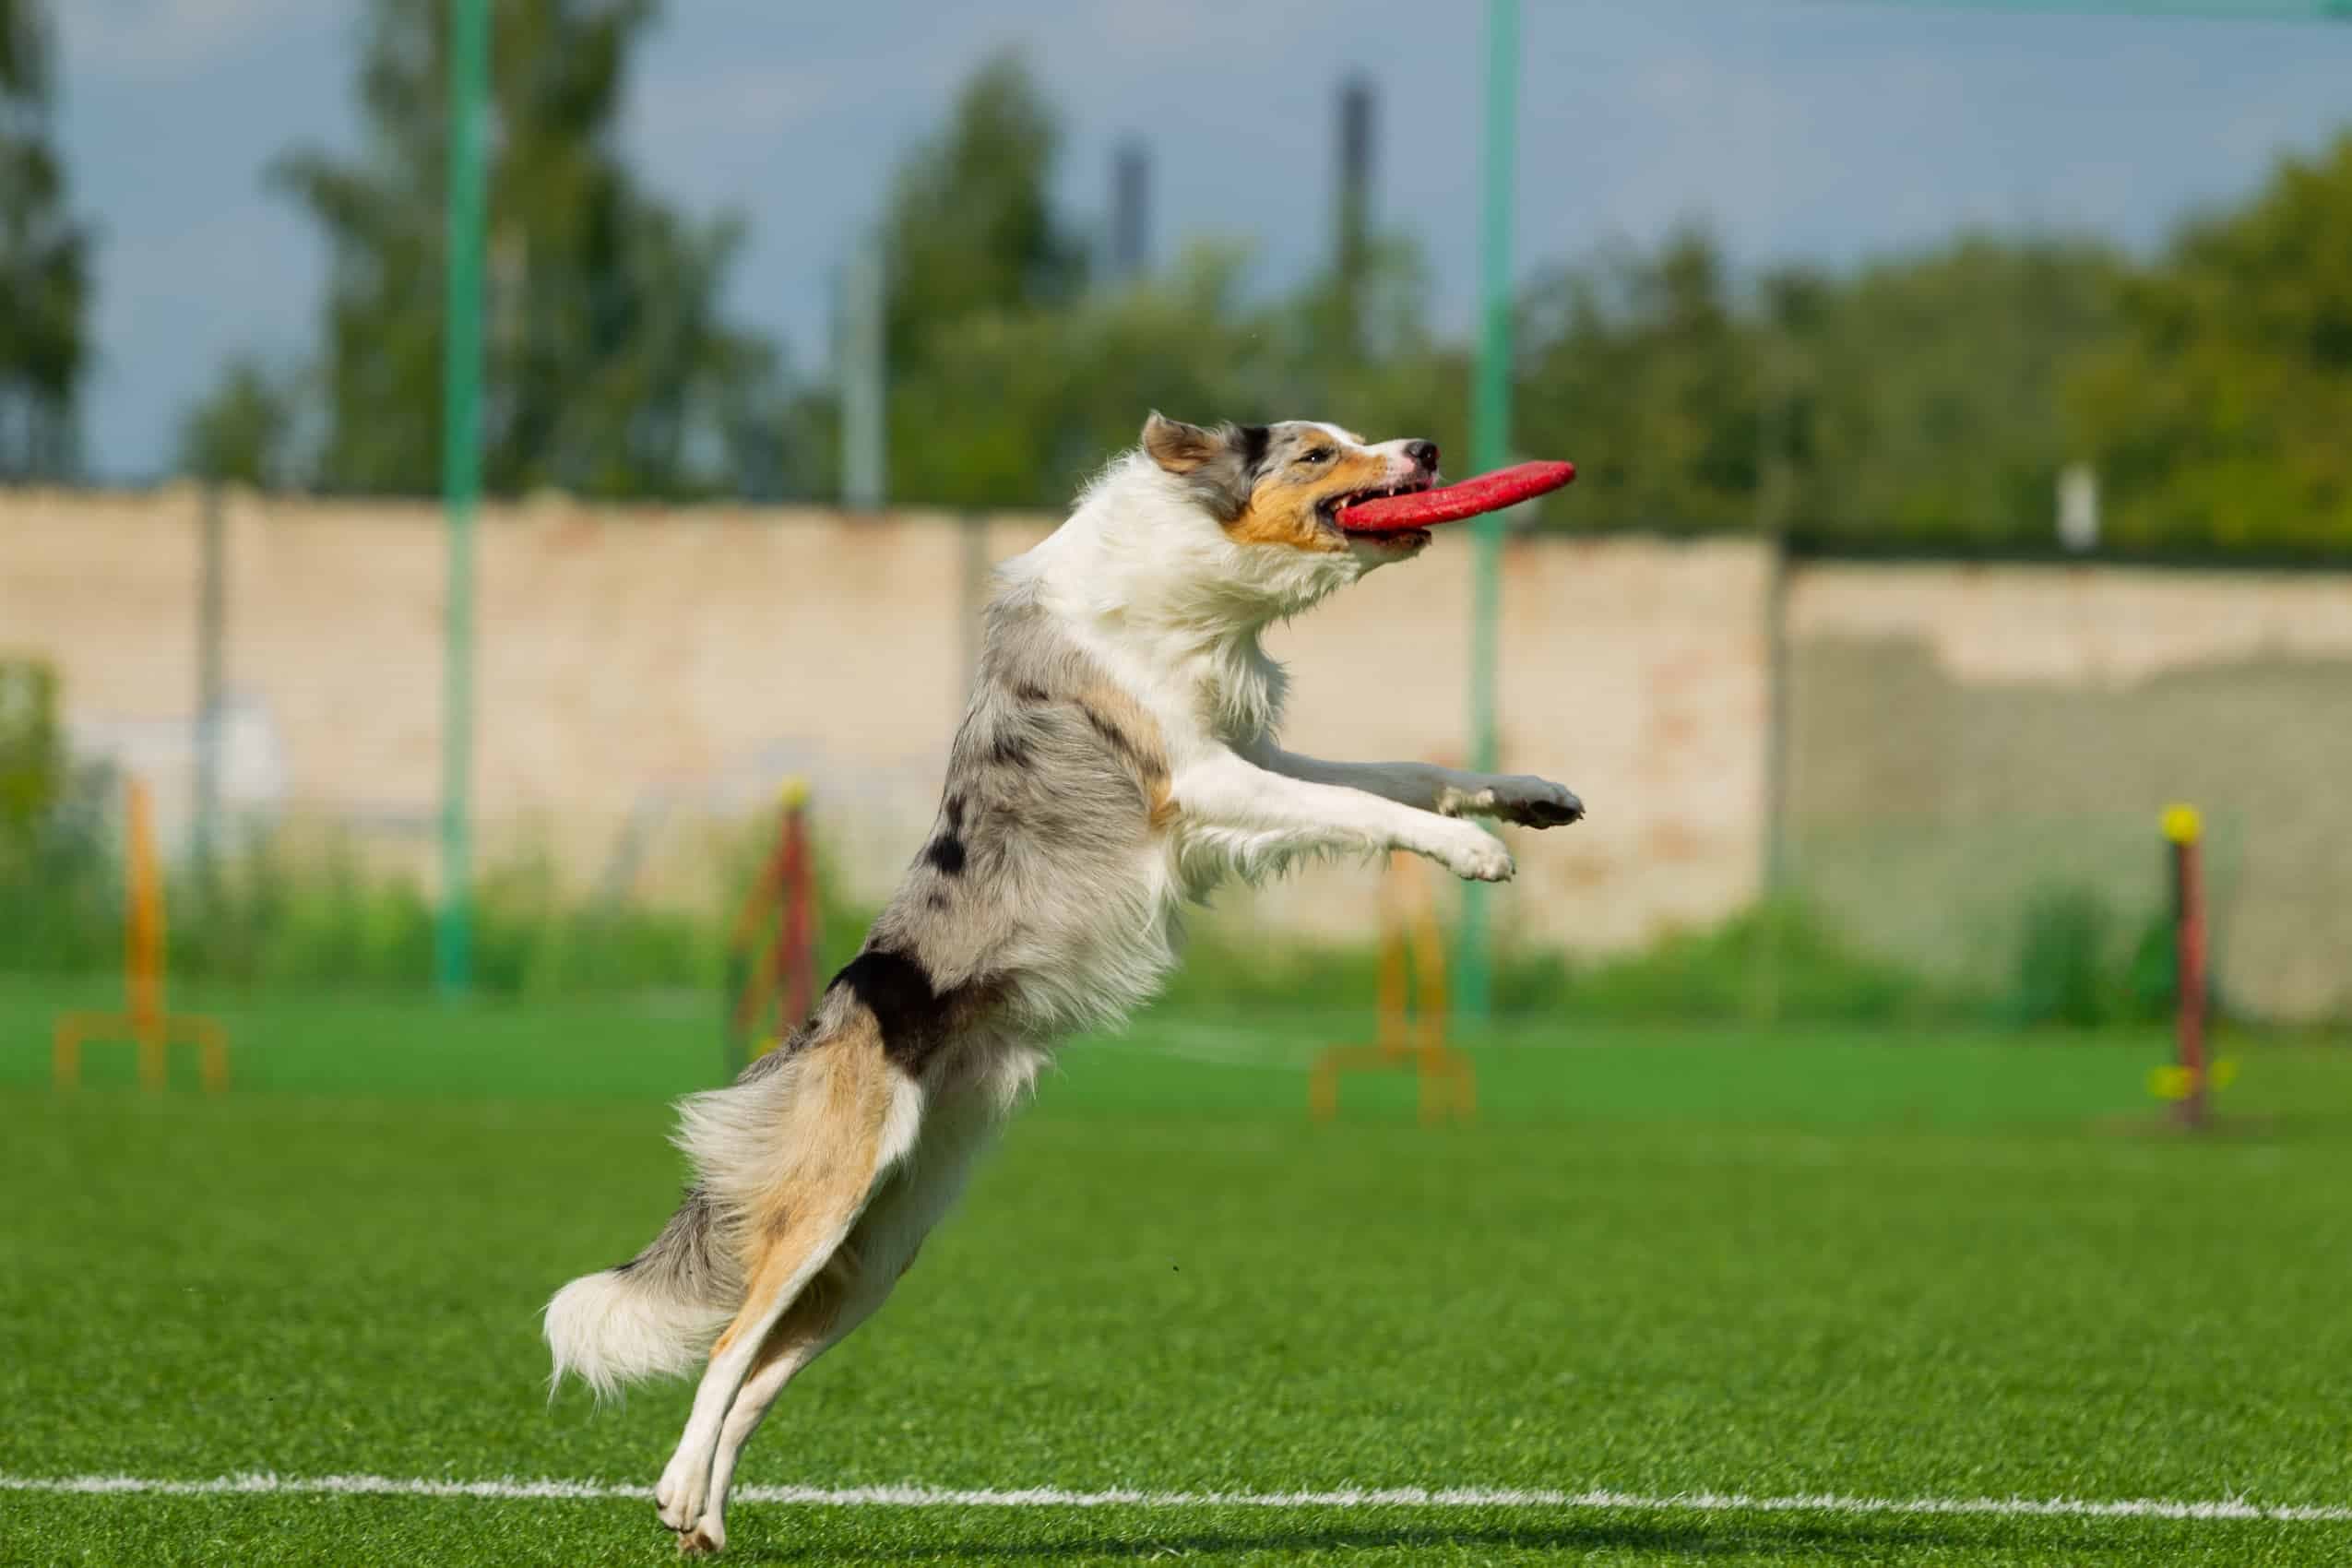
column 1643, row 369
column 44, row 262
column 1917, row 399
column 245, row 429
column 2223, row 416
column 1014, row 408
column 1011, row 380
column 1921, row 398
column 610, row 368
column 969, row 227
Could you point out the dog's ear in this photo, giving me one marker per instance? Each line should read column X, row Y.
column 1179, row 447
column 1217, row 466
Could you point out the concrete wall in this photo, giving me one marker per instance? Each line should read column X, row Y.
column 1966, row 740
column 1960, row 737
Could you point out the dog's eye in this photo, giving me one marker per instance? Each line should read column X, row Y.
column 1316, row 455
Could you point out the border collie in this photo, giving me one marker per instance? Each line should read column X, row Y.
column 1117, row 759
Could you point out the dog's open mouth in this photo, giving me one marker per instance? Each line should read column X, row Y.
column 1334, row 509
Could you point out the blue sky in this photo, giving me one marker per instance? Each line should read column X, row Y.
column 1819, row 129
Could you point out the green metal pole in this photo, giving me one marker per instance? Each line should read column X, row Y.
column 461, row 479
column 1489, row 448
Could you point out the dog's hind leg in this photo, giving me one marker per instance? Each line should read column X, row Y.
column 797, row 1192
column 856, row 1282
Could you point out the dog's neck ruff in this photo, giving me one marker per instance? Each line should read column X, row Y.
column 1156, row 589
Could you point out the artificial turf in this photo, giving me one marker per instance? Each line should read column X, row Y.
column 1773, row 1265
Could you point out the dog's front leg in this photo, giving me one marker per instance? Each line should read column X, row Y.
column 1518, row 798
column 1262, row 819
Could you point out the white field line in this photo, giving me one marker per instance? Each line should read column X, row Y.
column 1051, row 1497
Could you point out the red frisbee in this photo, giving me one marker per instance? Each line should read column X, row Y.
column 1487, row 493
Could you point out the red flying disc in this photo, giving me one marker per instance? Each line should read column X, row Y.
column 1487, row 493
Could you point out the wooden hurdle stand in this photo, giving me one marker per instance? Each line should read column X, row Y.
column 772, row 984
column 147, row 1023
column 1412, row 1028
column 2194, row 1075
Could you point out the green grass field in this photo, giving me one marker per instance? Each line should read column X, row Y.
column 1938, row 1267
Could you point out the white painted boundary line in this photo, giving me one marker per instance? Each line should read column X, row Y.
column 1049, row 1497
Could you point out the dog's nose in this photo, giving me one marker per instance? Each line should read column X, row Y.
column 1424, row 454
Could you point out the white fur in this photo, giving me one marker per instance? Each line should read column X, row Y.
column 610, row 1330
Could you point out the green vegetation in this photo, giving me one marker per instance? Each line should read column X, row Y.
column 1773, row 1263
column 2221, row 410
column 612, row 369
column 1923, row 400
column 288, row 912
column 45, row 284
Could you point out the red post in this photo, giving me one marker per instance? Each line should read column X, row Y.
column 796, row 939
column 2186, row 832
column 771, row 960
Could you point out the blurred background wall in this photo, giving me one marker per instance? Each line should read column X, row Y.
column 1956, row 739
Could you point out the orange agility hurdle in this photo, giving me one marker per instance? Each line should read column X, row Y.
column 147, row 1024
column 1409, row 945
column 771, row 983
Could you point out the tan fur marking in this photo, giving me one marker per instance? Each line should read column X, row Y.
column 811, row 1316
column 1144, row 747
column 1282, row 509
column 1289, row 519
column 835, row 1136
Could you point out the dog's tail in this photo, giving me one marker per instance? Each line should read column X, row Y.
column 652, row 1316
column 658, row 1314
column 804, row 1136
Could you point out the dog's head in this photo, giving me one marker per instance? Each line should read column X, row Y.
column 1272, row 495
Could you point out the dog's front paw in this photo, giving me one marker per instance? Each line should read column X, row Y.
column 1530, row 802
column 677, row 1500
column 707, row 1538
column 1474, row 855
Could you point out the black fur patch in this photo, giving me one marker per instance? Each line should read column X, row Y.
column 897, row 988
column 1009, row 751
column 954, row 813
column 1029, row 691
column 946, row 852
column 1253, row 439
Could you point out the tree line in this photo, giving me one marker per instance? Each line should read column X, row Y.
column 1930, row 398
column 44, row 260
